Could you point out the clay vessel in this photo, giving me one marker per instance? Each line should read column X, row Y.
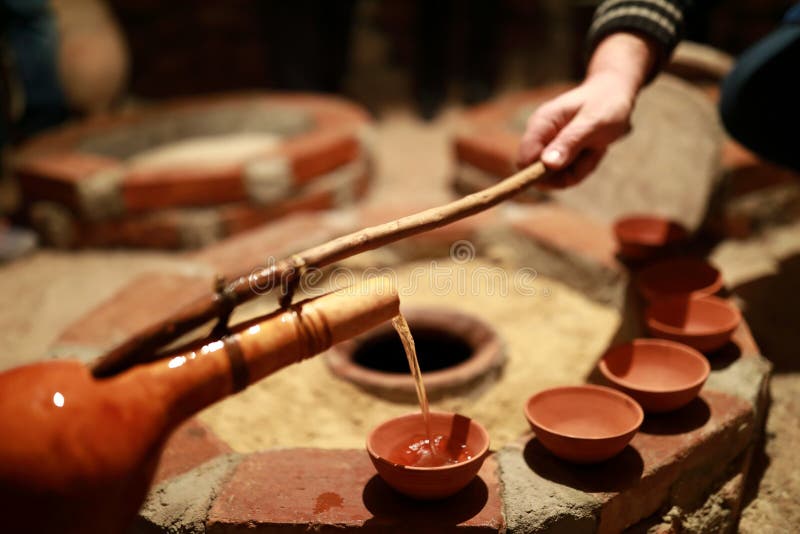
column 706, row 324
column 660, row 375
column 583, row 424
column 684, row 278
column 78, row 453
column 642, row 237
column 428, row 482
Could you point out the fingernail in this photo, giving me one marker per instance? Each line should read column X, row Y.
column 552, row 156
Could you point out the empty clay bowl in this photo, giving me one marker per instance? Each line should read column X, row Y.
column 644, row 236
column 679, row 278
column 706, row 324
column 661, row 375
column 583, row 424
column 428, row 482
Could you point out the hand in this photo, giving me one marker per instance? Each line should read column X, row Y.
column 570, row 133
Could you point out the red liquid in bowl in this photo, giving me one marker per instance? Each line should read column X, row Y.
column 417, row 452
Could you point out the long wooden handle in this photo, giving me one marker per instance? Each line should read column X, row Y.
column 205, row 309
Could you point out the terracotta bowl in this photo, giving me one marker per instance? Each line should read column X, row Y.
column 661, row 375
column 583, row 424
column 706, row 324
column 679, row 278
column 644, row 236
column 428, row 482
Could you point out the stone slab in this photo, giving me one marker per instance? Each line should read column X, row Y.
column 181, row 504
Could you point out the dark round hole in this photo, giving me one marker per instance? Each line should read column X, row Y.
column 436, row 350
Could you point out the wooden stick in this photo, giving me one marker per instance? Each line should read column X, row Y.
column 285, row 272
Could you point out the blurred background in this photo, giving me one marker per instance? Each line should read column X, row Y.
column 377, row 52
column 414, row 66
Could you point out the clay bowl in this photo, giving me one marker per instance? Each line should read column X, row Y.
column 645, row 236
column 679, row 278
column 661, row 375
column 583, row 424
column 427, row 482
column 705, row 324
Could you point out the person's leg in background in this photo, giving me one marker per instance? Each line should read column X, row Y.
column 760, row 101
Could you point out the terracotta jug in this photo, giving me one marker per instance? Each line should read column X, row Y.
column 77, row 453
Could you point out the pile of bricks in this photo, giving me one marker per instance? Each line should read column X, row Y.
column 84, row 185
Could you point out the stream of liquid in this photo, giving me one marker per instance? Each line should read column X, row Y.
column 426, row 450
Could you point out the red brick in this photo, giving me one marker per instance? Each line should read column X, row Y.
column 332, row 141
column 146, row 192
column 189, row 446
column 487, row 137
column 166, row 228
column 493, row 152
column 148, row 299
column 320, row 152
column 56, row 175
column 297, row 490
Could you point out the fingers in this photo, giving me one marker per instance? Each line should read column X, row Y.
column 584, row 132
column 584, row 164
column 543, row 126
column 585, row 118
column 569, row 142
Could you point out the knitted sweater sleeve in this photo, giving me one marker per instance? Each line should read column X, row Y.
column 662, row 21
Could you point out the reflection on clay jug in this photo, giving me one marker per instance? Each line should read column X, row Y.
column 78, row 453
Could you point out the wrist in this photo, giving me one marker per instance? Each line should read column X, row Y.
column 626, row 58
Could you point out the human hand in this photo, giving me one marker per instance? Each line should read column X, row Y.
column 570, row 134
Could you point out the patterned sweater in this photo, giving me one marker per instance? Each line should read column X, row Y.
column 660, row 20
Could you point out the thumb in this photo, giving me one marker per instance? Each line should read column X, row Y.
column 563, row 150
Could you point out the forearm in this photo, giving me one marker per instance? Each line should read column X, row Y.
column 659, row 22
column 628, row 57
